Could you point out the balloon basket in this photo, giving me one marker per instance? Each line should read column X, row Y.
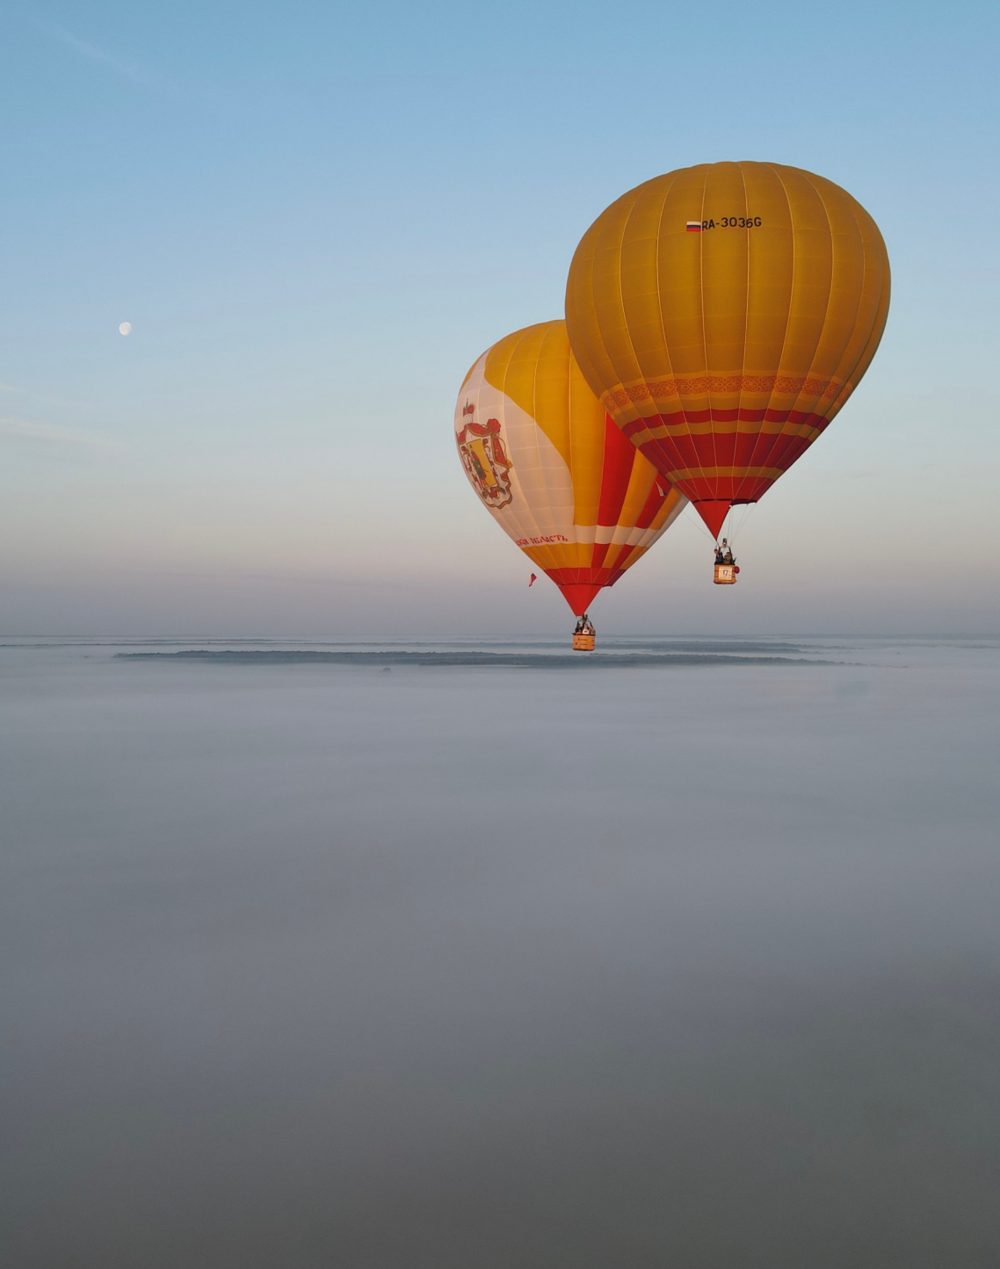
column 725, row 575
column 583, row 643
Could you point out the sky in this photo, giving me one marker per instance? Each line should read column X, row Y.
column 317, row 216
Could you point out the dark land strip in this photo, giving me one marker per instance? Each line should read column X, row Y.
column 498, row 660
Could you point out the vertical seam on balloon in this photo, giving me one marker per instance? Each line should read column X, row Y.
column 668, row 520
column 622, row 490
column 551, row 330
column 885, row 291
column 861, row 293
column 844, row 379
column 540, row 433
column 569, row 430
column 527, row 512
column 621, row 296
column 570, row 438
column 704, row 335
column 592, row 302
column 829, row 296
column 592, row 298
column 572, row 287
column 760, row 460
column 752, row 460
column 885, row 284
column 534, row 418
column 866, row 256
column 659, row 298
column 746, row 324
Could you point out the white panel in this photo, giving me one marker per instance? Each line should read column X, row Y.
column 541, row 487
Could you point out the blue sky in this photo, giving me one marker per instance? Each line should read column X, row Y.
column 317, row 216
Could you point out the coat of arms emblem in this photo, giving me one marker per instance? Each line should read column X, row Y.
column 484, row 458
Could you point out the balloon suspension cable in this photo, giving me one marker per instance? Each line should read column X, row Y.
column 726, row 530
column 695, row 522
column 736, row 529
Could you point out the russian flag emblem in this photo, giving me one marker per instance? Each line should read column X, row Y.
column 694, row 226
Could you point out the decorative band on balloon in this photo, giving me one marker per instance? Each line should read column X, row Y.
column 724, row 467
column 725, row 473
column 588, row 556
column 597, row 535
column 700, row 385
column 725, row 423
column 840, row 399
column 574, row 576
column 723, row 440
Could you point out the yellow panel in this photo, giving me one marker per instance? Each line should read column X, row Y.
column 574, row 555
column 531, row 367
column 782, row 309
column 872, row 305
column 537, row 370
column 637, row 330
column 724, row 268
column 533, row 438
column 644, row 476
column 769, row 279
column 608, row 266
column 812, row 273
column 678, row 277
column 587, row 421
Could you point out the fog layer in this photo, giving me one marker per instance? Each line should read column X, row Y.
column 441, row 968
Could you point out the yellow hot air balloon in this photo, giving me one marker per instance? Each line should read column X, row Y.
column 552, row 469
column 724, row 313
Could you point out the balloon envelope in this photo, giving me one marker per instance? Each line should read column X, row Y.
column 724, row 313
column 552, row 469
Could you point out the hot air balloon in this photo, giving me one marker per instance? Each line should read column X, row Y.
column 723, row 314
column 553, row 470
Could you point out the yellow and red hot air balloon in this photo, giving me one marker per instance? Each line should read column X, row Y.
column 723, row 314
column 553, row 470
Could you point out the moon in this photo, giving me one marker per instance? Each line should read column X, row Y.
column 125, row 328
